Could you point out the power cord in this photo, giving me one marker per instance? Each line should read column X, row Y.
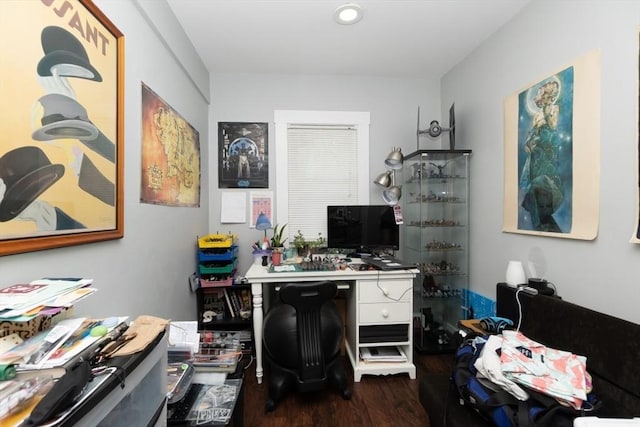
column 385, row 291
column 518, row 291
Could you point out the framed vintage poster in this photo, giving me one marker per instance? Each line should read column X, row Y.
column 61, row 155
column 552, row 153
column 243, row 160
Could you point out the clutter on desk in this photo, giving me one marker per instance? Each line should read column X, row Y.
column 19, row 397
column 179, row 375
column 210, row 351
column 215, row 403
column 58, row 345
column 219, row 351
column 50, row 366
column 28, row 308
column 323, row 264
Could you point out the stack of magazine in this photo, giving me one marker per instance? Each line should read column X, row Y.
column 389, row 353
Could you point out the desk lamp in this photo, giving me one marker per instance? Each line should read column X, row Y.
column 392, row 192
column 263, row 223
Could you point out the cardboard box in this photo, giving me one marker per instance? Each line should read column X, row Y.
column 29, row 328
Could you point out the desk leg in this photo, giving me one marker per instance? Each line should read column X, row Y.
column 256, row 291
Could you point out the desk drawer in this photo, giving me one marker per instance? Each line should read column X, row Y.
column 385, row 313
column 374, row 291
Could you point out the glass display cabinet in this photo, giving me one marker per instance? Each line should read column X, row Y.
column 436, row 238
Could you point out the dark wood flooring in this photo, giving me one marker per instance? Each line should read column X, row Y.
column 376, row 401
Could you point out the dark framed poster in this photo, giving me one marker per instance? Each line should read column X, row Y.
column 61, row 154
column 243, row 160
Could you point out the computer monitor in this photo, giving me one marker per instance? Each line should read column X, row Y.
column 362, row 228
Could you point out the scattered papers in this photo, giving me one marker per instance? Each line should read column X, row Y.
column 70, row 298
column 8, row 342
column 215, row 403
column 19, row 293
column 184, row 335
column 80, row 340
column 21, row 299
column 33, row 351
column 58, row 345
column 283, row 268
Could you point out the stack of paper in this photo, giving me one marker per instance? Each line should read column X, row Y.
column 27, row 300
column 184, row 340
column 383, row 354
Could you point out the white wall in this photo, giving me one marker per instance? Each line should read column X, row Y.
column 548, row 34
column 146, row 271
column 393, row 104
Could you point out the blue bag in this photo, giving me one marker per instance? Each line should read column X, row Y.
column 497, row 405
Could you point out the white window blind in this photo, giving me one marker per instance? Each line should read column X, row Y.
column 322, row 170
column 330, row 165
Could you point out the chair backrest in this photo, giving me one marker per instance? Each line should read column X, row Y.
column 308, row 299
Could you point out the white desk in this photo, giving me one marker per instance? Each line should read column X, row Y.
column 374, row 298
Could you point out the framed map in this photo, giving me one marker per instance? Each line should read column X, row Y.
column 170, row 155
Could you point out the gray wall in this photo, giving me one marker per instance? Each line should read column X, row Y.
column 146, row 271
column 393, row 104
column 548, row 34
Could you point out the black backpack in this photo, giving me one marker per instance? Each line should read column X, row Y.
column 497, row 405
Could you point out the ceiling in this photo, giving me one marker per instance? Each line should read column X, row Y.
column 395, row 38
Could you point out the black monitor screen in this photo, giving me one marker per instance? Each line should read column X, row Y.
column 362, row 227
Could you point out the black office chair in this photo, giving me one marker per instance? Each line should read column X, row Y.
column 301, row 340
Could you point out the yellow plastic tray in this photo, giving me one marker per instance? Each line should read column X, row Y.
column 216, row 241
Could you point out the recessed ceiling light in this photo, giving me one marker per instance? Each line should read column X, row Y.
column 348, row 14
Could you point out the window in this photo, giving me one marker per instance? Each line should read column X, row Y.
column 322, row 159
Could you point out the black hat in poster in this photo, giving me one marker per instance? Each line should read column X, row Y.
column 27, row 173
column 64, row 53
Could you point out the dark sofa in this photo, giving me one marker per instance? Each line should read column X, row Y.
column 611, row 345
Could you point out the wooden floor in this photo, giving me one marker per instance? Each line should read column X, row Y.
column 376, row 401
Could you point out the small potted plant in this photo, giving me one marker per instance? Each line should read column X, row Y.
column 315, row 245
column 277, row 244
column 300, row 243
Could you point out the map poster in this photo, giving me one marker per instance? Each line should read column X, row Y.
column 170, row 155
column 243, row 160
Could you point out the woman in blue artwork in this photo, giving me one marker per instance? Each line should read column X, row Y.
column 540, row 178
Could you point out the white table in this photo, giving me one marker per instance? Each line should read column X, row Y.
column 374, row 298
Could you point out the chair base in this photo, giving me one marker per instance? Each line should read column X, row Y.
column 282, row 381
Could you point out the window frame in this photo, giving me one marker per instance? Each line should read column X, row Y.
column 284, row 118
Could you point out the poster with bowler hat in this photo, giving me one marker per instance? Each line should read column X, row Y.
column 61, row 155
